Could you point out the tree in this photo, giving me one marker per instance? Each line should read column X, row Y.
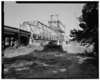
column 89, row 24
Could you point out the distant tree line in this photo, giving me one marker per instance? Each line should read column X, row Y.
column 89, row 25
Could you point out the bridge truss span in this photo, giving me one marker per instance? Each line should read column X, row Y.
column 40, row 31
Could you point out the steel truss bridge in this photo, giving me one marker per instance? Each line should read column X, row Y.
column 52, row 32
column 30, row 31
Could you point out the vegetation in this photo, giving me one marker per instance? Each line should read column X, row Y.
column 89, row 25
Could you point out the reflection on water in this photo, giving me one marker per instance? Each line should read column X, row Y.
column 82, row 59
column 62, row 65
column 23, row 68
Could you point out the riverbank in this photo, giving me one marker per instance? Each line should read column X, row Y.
column 51, row 64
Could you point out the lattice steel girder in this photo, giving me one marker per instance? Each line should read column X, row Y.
column 43, row 31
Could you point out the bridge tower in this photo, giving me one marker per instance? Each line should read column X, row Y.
column 55, row 24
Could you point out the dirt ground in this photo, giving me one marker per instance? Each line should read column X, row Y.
column 49, row 65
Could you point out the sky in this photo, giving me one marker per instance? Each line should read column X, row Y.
column 15, row 14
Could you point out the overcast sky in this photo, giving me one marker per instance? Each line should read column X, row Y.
column 68, row 13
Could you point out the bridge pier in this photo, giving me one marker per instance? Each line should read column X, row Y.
column 8, row 41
